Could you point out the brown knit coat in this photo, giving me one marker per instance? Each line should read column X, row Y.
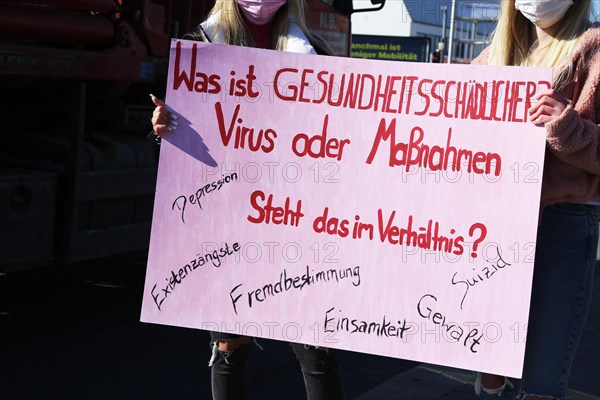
column 572, row 161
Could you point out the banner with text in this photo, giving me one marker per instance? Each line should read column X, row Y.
column 386, row 208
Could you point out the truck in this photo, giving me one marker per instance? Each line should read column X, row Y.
column 77, row 170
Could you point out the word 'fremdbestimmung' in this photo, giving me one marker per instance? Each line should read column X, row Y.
column 298, row 282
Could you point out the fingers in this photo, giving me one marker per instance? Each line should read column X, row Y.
column 157, row 102
column 547, row 92
column 545, row 112
column 162, row 120
column 541, row 117
column 553, row 94
column 550, row 106
column 161, row 129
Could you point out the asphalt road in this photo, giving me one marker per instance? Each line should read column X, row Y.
column 73, row 332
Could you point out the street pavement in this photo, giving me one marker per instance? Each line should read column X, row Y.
column 73, row 332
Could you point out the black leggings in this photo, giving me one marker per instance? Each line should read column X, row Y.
column 320, row 369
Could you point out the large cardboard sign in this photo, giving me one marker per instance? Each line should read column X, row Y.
column 387, row 208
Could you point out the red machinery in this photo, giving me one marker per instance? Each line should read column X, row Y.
column 77, row 173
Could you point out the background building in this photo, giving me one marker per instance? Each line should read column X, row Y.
column 474, row 22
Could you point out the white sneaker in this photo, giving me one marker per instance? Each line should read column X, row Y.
column 497, row 391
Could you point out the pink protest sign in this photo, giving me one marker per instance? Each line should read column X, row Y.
column 381, row 207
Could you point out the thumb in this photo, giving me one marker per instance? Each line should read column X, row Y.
column 157, row 102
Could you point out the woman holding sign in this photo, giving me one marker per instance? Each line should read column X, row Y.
column 278, row 25
column 557, row 34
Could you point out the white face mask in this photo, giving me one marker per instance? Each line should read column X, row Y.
column 543, row 13
column 259, row 12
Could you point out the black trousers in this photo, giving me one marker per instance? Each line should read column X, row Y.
column 320, row 369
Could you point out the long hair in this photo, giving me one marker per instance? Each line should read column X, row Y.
column 235, row 31
column 512, row 43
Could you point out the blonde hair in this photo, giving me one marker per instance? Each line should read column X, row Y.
column 512, row 43
column 235, row 31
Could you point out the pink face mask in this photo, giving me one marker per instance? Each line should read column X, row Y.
column 543, row 13
column 260, row 12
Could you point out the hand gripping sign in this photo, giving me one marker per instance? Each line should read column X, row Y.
column 383, row 207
